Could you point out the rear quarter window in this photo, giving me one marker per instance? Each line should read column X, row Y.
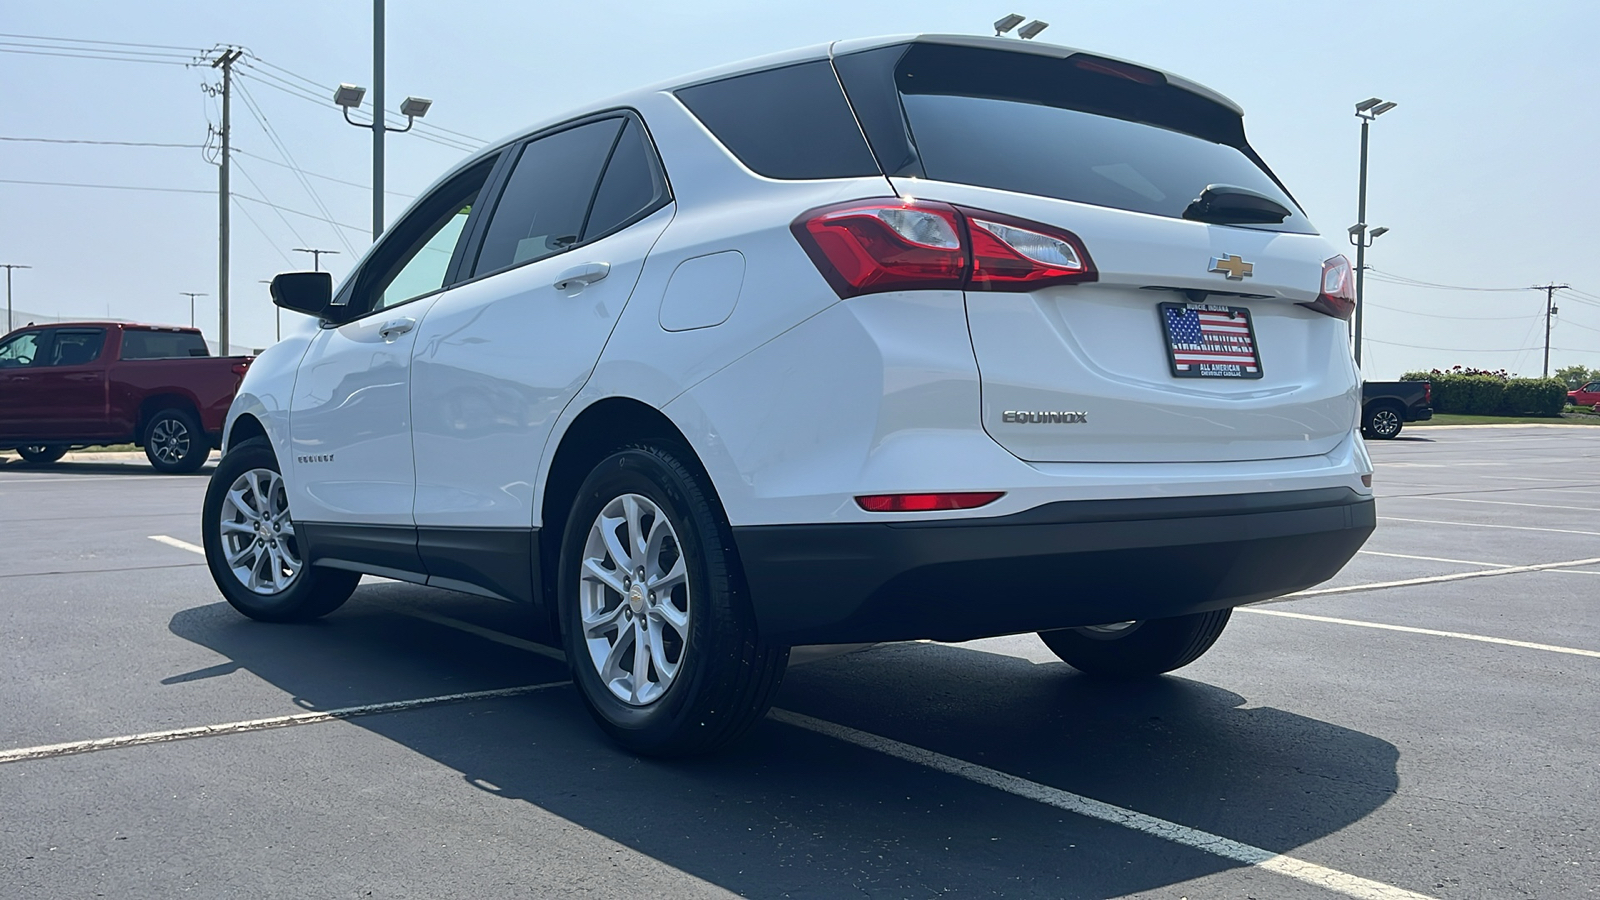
column 790, row 123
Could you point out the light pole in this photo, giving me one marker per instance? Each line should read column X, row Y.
column 349, row 96
column 1366, row 111
column 8, row 267
column 191, row 295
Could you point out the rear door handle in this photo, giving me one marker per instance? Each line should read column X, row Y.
column 582, row 276
column 395, row 328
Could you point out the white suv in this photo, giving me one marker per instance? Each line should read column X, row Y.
column 928, row 337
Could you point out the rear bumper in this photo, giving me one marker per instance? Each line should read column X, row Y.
column 1055, row 566
column 1420, row 414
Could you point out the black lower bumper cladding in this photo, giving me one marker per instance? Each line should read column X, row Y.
column 1055, row 566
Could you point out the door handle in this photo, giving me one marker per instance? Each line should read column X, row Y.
column 582, row 276
column 395, row 328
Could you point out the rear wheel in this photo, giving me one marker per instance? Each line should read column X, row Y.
column 1129, row 649
column 1383, row 422
column 41, row 454
column 252, row 550
column 656, row 622
column 174, row 443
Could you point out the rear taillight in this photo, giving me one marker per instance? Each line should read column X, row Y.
column 1338, row 295
column 240, row 368
column 871, row 246
column 927, row 502
column 1427, row 393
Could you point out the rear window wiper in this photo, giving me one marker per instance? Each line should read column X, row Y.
column 1227, row 204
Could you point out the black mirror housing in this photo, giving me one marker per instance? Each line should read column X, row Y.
column 304, row 292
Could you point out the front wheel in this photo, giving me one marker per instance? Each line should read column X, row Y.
column 174, row 443
column 1130, row 649
column 1383, row 423
column 657, row 625
column 252, row 550
column 41, row 454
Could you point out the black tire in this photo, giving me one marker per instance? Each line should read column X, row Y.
column 41, row 454
column 1150, row 647
column 726, row 676
column 1382, row 421
column 314, row 592
column 174, row 443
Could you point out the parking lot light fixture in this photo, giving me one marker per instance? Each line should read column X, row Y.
column 1032, row 29
column 1006, row 23
column 1366, row 111
column 349, row 96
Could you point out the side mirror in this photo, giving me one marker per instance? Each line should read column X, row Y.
column 304, row 292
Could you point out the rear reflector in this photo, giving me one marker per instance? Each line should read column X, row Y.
column 871, row 246
column 1338, row 295
column 240, row 368
column 927, row 502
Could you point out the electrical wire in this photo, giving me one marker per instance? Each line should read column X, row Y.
column 1373, row 340
column 297, row 212
column 1413, row 312
column 278, row 144
column 40, row 37
column 36, row 140
column 1391, row 278
column 355, row 184
column 108, row 187
column 132, row 59
column 295, row 91
column 477, row 141
column 263, row 193
column 246, row 211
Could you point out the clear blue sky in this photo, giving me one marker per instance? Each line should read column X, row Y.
column 1486, row 172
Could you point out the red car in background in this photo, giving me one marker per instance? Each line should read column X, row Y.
column 82, row 384
column 1588, row 395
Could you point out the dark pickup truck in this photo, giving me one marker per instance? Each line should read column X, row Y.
column 1387, row 405
column 83, row 384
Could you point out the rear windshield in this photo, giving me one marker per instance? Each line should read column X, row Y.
column 138, row 344
column 1074, row 129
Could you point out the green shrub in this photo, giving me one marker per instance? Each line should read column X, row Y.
column 1471, row 395
column 1534, row 397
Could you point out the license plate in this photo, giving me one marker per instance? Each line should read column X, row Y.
column 1205, row 340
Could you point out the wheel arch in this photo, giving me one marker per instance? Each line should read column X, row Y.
column 155, row 403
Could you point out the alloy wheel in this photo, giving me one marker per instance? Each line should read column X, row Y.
column 1385, row 423
column 258, row 539
column 634, row 599
column 169, row 440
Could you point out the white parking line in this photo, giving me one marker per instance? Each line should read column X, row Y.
column 1464, row 562
column 308, row 718
column 1489, row 525
column 1435, row 579
column 1298, row 869
column 181, row 545
column 1492, row 502
column 1527, row 645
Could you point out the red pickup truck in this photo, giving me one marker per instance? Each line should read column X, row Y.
column 86, row 383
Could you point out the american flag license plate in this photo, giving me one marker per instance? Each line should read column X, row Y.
column 1205, row 340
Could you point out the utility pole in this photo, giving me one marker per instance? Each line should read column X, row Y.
column 316, row 256
column 8, row 267
column 1549, row 310
column 191, row 295
column 225, row 63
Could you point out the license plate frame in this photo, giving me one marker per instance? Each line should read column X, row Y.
column 1218, row 366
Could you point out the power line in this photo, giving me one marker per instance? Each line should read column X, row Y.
column 1392, row 278
column 37, row 140
column 1440, row 316
column 277, row 142
column 275, row 209
column 108, row 187
column 40, row 37
column 298, row 212
column 355, row 184
column 246, row 210
column 1450, row 349
column 132, row 59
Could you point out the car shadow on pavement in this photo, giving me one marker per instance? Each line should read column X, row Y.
column 788, row 812
column 70, row 467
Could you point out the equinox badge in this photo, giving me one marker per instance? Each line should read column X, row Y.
column 1035, row 417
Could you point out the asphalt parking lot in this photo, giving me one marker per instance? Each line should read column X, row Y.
column 1424, row 725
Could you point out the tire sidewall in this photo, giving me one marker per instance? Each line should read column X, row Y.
column 1372, row 428
column 641, row 471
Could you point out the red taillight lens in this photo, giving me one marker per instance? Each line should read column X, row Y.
column 1427, row 393
column 863, row 248
column 870, row 246
column 240, row 368
column 1338, row 296
column 1012, row 255
column 927, row 502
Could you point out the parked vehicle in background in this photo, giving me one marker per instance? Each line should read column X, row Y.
column 1387, row 405
column 937, row 337
column 84, row 384
column 1588, row 395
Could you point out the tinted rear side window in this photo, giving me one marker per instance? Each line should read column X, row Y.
column 1063, row 128
column 791, row 123
column 138, row 344
column 542, row 210
column 76, row 348
column 631, row 185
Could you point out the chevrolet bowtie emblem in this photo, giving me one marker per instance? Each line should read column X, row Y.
column 1232, row 266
